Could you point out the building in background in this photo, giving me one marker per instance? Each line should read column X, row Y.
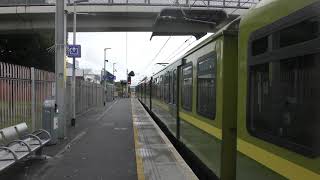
column 84, row 74
column 79, row 72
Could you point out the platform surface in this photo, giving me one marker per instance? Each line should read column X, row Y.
column 156, row 157
column 116, row 142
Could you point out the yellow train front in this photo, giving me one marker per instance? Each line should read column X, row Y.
column 244, row 103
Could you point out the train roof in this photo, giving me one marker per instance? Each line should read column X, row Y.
column 231, row 28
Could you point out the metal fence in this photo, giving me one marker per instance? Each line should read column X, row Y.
column 23, row 91
column 241, row 4
column 43, row 84
column 88, row 95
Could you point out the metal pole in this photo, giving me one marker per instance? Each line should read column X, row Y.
column 127, row 62
column 33, row 99
column 113, row 83
column 104, row 74
column 60, row 51
column 127, row 85
column 73, row 83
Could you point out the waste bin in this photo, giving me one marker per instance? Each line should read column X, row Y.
column 50, row 119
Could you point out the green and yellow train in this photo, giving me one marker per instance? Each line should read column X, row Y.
column 245, row 102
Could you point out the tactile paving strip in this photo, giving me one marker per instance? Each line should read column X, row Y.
column 157, row 159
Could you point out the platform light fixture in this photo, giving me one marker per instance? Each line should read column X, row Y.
column 162, row 64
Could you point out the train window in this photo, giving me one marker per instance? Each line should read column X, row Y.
column 285, row 101
column 141, row 91
column 161, row 87
column 167, row 87
column 174, row 86
column 206, row 86
column 170, row 88
column 186, row 89
column 158, row 88
column 300, row 32
column 284, row 92
column 260, row 46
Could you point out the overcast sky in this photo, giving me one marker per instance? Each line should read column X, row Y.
column 140, row 55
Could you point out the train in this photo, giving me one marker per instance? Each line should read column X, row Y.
column 245, row 102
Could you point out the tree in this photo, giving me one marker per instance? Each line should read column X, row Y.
column 28, row 49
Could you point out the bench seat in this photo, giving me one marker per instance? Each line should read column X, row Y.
column 17, row 144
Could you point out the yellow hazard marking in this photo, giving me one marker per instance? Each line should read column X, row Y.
column 274, row 162
column 139, row 163
column 216, row 132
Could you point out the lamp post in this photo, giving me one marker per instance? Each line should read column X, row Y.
column 73, row 84
column 104, row 72
column 113, row 81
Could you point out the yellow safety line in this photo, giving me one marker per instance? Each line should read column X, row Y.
column 139, row 163
column 216, row 132
column 276, row 163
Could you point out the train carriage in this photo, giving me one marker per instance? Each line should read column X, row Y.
column 208, row 77
column 278, row 110
column 244, row 103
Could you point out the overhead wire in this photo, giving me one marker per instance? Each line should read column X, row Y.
column 175, row 51
column 160, row 50
column 183, row 49
column 150, row 63
column 189, row 19
column 239, row 6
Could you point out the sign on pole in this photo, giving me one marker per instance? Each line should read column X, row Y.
column 109, row 77
column 74, row 51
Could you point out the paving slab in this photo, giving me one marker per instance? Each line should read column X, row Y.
column 157, row 159
column 100, row 147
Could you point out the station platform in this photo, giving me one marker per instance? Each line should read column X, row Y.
column 119, row 141
column 156, row 157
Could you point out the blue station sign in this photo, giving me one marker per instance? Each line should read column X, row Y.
column 109, row 77
column 74, row 51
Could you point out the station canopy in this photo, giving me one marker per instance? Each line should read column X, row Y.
column 185, row 21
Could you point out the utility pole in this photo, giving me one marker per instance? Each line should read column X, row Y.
column 60, row 85
column 104, row 74
column 73, row 83
column 113, row 82
column 127, row 85
column 127, row 63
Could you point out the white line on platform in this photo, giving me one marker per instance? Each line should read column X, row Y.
column 68, row 146
column 105, row 112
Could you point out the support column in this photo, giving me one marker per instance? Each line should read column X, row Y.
column 60, row 76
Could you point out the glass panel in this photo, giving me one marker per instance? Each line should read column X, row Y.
column 301, row 32
column 260, row 46
column 206, row 88
column 174, row 86
column 285, row 101
column 187, row 88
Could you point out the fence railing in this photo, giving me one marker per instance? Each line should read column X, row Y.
column 43, row 84
column 23, row 91
column 88, row 95
column 243, row 4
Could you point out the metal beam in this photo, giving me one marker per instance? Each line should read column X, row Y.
column 176, row 3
